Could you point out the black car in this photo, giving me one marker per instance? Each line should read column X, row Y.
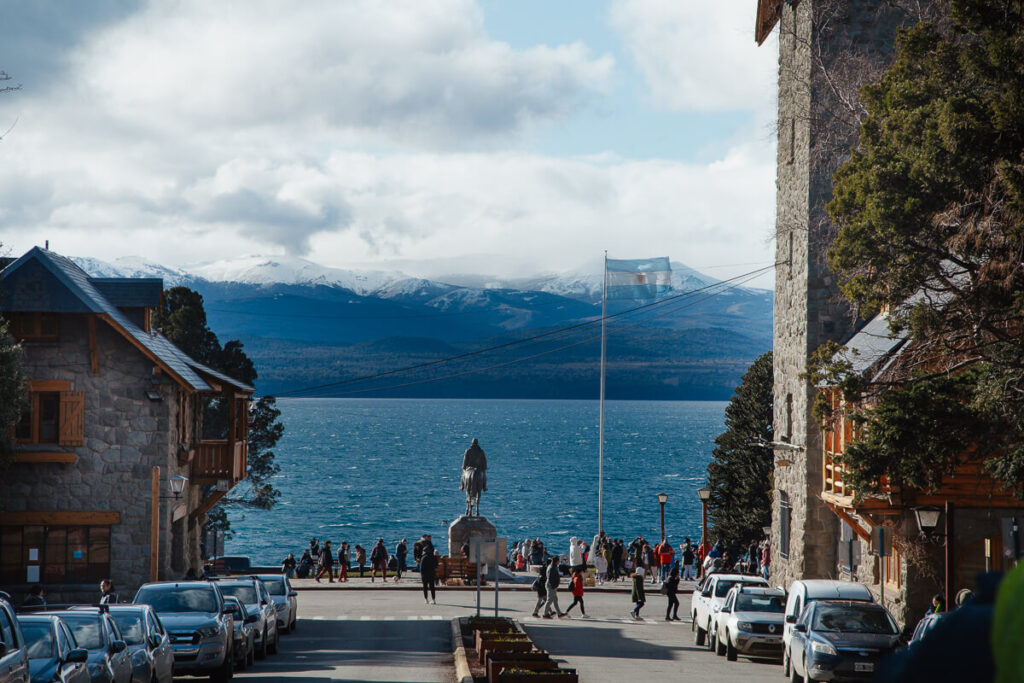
column 53, row 654
column 96, row 631
column 837, row 640
column 199, row 623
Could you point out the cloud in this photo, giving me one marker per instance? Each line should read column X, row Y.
column 698, row 56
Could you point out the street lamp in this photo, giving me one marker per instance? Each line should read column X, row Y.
column 927, row 521
column 662, row 499
column 767, row 531
column 704, row 494
column 177, row 486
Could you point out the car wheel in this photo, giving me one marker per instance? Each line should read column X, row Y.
column 785, row 664
column 698, row 636
column 720, row 644
column 286, row 629
column 693, row 622
column 294, row 624
column 262, row 653
column 710, row 640
column 793, row 676
column 730, row 649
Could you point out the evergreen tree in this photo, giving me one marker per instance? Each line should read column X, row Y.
column 740, row 473
column 12, row 391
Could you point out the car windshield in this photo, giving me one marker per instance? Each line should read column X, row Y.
column 746, row 602
column 86, row 629
column 199, row 599
column 849, row 619
column 131, row 626
column 244, row 592
column 39, row 636
column 274, row 586
column 722, row 588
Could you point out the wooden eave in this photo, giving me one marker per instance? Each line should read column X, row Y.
column 768, row 14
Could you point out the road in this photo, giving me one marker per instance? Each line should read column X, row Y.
column 389, row 634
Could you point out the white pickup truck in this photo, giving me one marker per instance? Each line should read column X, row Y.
column 708, row 595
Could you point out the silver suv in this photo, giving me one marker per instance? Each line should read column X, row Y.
column 200, row 624
column 253, row 594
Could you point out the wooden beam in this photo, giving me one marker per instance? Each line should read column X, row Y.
column 853, row 524
column 154, row 528
column 48, row 385
column 60, row 518
column 207, row 504
column 94, row 358
column 33, row 456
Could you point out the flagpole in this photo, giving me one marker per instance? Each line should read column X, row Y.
column 600, row 437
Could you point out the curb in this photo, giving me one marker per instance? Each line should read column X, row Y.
column 462, row 672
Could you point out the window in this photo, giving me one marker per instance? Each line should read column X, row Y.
column 34, row 326
column 62, row 554
column 51, row 414
column 789, row 419
column 784, row 514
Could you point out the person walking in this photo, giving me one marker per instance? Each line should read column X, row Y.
column 379, row 560
column 326, row 563
column 36, row 597
column 540, row 585
column 428, row 575
column 107, row 594
column 617, row 559
column 667, row 557
column 576, row 554
column 766, row 558
column 343, row 562
column 671, row 587
column 360, row 559
column 287, row 566
column 553, row 579
column 637, row 595
column 601, row 566
column 576, row 587
column 401, row 552
column 688, row 556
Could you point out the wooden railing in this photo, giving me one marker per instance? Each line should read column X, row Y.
column 216, row 460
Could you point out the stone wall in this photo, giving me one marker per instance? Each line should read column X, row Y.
column 126, row 435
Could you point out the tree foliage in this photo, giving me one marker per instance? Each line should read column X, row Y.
column 740, row 472
column 930, row 211
column 12, row 390
column 182, row 319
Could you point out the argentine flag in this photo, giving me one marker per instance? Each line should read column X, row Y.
column 638, row 278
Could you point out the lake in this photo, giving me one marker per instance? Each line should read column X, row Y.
column 358, row 469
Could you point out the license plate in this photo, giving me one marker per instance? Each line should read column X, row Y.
column 863, row 666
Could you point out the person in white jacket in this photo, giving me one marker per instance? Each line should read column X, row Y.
column 576, row 555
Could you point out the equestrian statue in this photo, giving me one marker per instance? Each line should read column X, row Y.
column 474, row 477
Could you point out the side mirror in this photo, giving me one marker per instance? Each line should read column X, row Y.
column 118, row 646
column 292, row 594
column 800, row 628
column 153, row 641
column 790, row 618
column 228, row 610
column 252, row 618
column 705, row 594
column 78, row 655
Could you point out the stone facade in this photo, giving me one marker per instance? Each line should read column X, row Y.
column 126, row 434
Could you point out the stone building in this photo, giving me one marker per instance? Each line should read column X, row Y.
column 109, row 401
column 827, row 50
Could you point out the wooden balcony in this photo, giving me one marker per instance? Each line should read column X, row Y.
column 220, row 460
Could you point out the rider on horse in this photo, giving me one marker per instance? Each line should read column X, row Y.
column 474, row 475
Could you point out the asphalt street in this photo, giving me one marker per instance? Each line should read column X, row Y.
column 389, row 634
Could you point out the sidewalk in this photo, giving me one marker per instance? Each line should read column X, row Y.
column 411, row 581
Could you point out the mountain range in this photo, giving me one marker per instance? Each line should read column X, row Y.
column 307, row 325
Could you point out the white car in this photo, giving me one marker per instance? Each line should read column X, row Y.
column 708, row 599
column 750, row 623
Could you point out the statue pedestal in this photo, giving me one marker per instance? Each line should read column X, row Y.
column 465, row 528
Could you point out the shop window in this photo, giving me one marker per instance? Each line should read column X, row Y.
column 54, row 554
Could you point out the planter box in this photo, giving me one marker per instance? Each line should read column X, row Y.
column 496, row 646
column 560, row 675
column 498, row 661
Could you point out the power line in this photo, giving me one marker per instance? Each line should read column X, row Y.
column 736, row 282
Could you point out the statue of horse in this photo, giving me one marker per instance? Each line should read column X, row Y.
column 474, row 482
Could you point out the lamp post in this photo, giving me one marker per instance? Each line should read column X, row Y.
column 704, row 494
column 928, row 521
column 177, row 486
column 662, row 499
column 767, row 531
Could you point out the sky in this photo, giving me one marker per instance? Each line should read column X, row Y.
column 501, row 137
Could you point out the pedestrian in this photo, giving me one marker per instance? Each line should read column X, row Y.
column 637, row 596
column 601, row 566
column 360, row 559
column 766, row 558
column 671, row 587
column 753, row 555
column 540, row 585
column 343, row 562
column 314, row 549
column 107, row 594
column 938, row 605
column 379, row 560
column 417, row 553
column 287, row 566
column 326, row 563
column 617, row 559
column 576, row 587
column 305, row 565
column 401, row 551
column 688, row 556
column 428, row 575
column 552, row 580
column 667, row 557
column 576, row 554
column 649, row 562
column 35, row 597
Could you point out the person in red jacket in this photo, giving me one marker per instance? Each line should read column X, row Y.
column 666, row 557
column 576, row 587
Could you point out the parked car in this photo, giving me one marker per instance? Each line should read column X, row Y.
column 925, row 625
column 53, row 654
column 244, row 645
column 803, row 592
column 283, row 595
column 750, row 622
column 199, row 623
column 253, row 594
column 96, row 631
column 711, row 594
column 148, row 643
column 843, row 640
column 14, row 665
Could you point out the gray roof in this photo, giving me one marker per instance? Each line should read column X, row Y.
column 872, row 346
column 80, row 294
column 130, row 292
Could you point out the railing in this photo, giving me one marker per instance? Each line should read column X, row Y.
column 215, row 460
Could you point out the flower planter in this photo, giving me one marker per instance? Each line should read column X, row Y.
column 521, row 676
column 499, row 661
column 495, row 646
column 481, row 637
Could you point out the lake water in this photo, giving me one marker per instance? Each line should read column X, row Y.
column 357, row 469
